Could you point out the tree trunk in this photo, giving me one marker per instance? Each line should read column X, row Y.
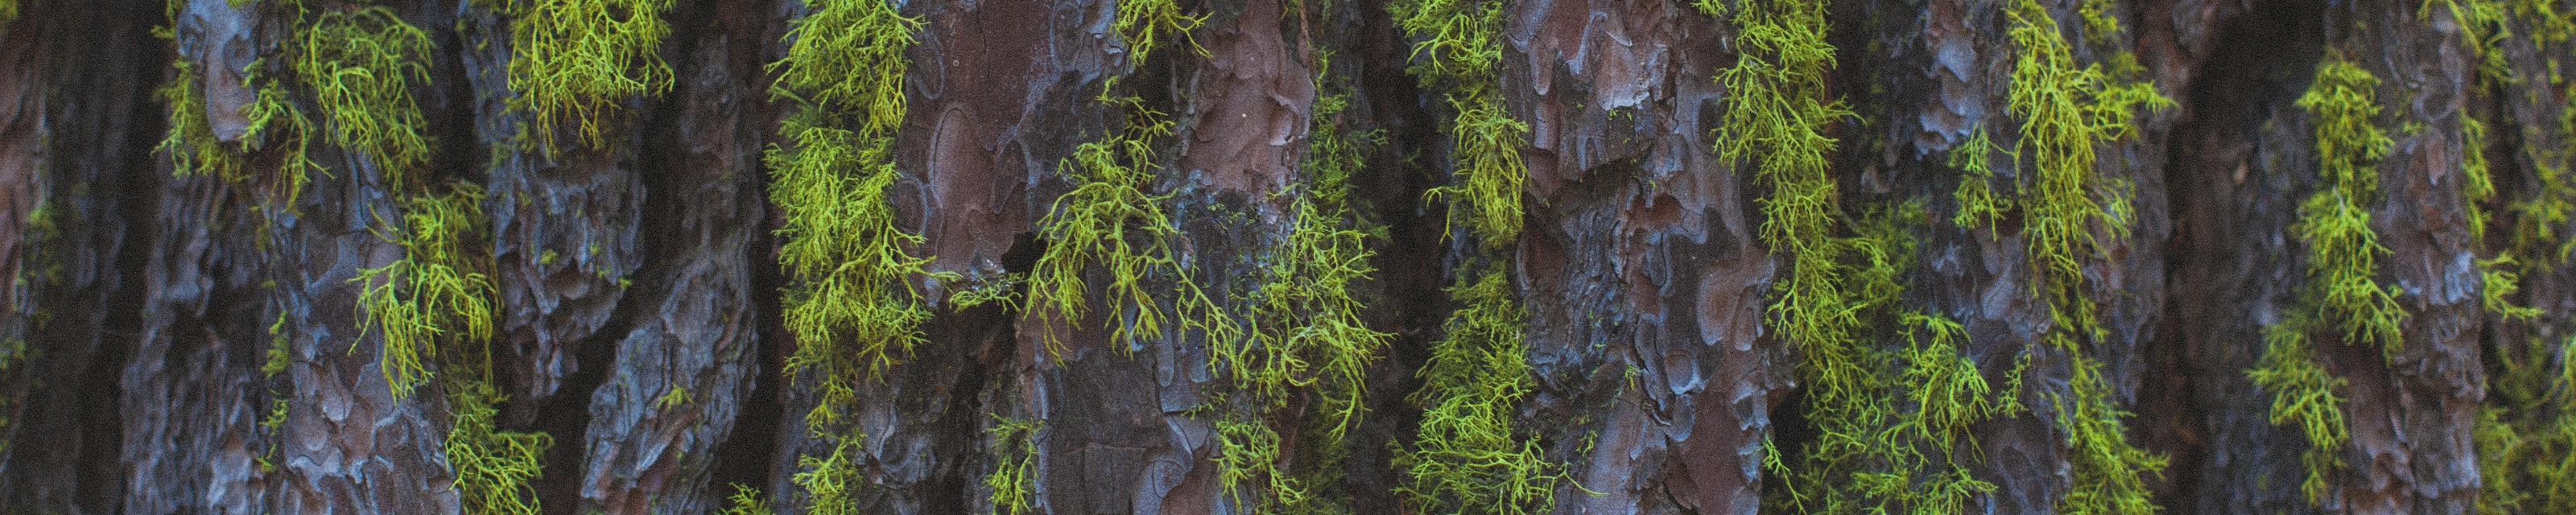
column 1383, row 256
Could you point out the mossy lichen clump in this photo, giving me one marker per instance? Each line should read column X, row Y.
column 1306, row 338
column 1110, row 219
column 2066, row 113
column 575, row 61
column 1467, row 455
column 361, row 65
column 1461, row 49
column 437, row 293
column 1014, row 480
column 2343, row 296
column 855, row 301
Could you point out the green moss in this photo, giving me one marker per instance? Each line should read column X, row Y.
column 438, row 292
column 361, row 65
column 1014, row 481
column 1468, row 456
column 576, row 61
column 2335, row 222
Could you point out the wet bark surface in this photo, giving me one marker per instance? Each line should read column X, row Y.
column 180, row 342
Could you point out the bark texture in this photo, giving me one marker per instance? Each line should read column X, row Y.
column 189, row 327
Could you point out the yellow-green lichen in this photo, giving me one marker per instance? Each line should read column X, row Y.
column 854, row 303
column 361, row 65
column 2526, row 432
column 2066, row 204
column 278, row 136
column 2303, row 395
column 1461, row 49
column 1014, row 480
column 1110, row 220
column 746, row 501
column 494, row 468
column 437, row 293
column 1468, row 456
column 832, row 483
column 1891, row 424
column 576, row 61
column 2335, row 221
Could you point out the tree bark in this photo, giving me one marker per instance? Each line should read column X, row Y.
column 180, row 337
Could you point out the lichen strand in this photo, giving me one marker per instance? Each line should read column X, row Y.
column 2526, row 432
column 2335, row 221
column 2065, row 203
column 361, row 65
column 1467, row 456
column 1014, row 480
column 1306, row 337
column 493, row 468
column 433, row 309
column 1460, row 49
column 575, row 61
column 1110, row 220
column 854, row 302
column 2303, row 395
column 278, row 137
column 1776, row 113
column 438, row 293
column 1891, row 422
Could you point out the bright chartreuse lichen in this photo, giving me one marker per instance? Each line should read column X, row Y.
column 2335, row 221
column 1110, row 220
column 1892, row 424
column 2303, row 395
column 434, row 309
column 437, row 293
column 854, row 303
column 1306, row 338
column 1461, row 49
column 2065, row 205
column 1014, row 480
column 1467, row 455
column 1978, row 202
column 361, row 65
column 832, row 482
column 746, row 501
column 494, row 468
column 576, row 61
column 2526, row 432
column 277, row 136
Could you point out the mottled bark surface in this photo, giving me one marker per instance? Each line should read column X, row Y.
column 176, row 342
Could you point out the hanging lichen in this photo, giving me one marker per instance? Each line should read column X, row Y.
column 1014, row 480
column 1460, row 50
column 1467, row 455
column 438, row 292
column 854, row 302
column 433, row 309
column 2335, row 221
column 361, row 65
column 1110, row 220
column 1306, row 338
column 576, row 61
